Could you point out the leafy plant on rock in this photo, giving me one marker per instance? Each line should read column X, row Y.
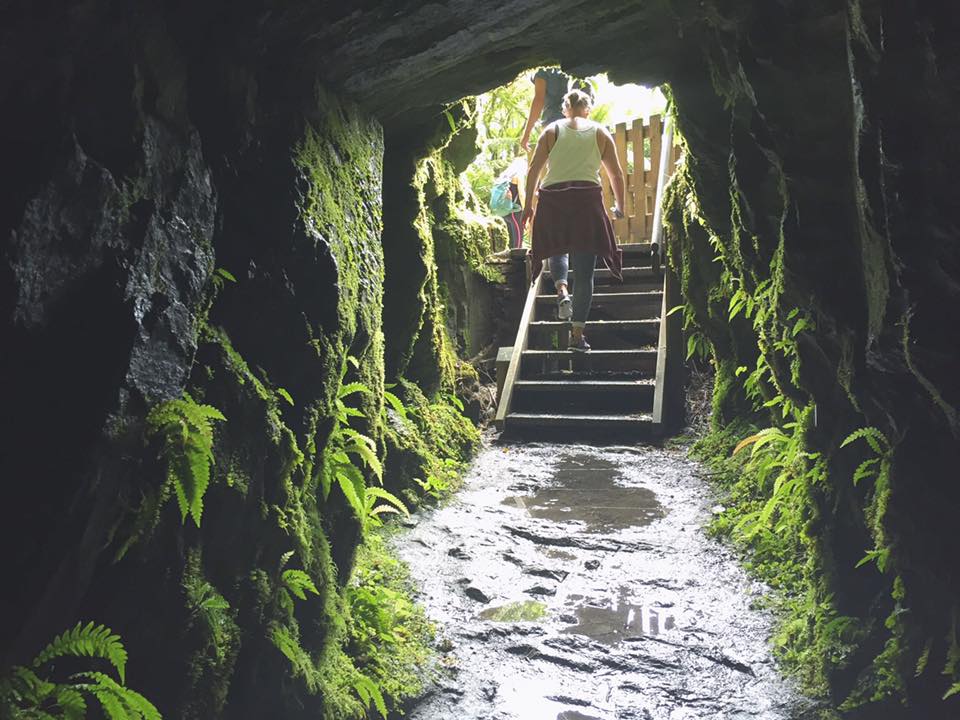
column 186, row 429
column 28, row 693
column 348, row 452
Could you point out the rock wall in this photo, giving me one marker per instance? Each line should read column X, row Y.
column 812, row 234
column 183, row 214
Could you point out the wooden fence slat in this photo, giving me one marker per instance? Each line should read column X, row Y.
column 656, row 130
column 639, row 194
column 620, row 140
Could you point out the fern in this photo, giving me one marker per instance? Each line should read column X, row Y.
column 349, row 451
column 118, row 702
column 372, row 511
column 90, row 640
column 301, row 663
column 370, row 694
column 29, row 695
column 186, row 429
column 298, row 583
column 875, row 439
column 395, row 402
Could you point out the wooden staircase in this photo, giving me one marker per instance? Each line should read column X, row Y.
column 608, row 391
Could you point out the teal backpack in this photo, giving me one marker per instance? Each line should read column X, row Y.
column 500, row 201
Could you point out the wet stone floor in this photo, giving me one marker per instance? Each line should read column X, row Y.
column 577, row 583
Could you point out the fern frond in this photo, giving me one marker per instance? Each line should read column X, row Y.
column 71, row 702
column 747, row 441
column 347, row 484
column 87, row 641
column 396, row 403
column 132, row 704
column 865, row 470
column 299, row 583
column 367, row 690
column 875, row 439
column 353, row 388
column 954, row 690
column 186, row 428
column 377, row 492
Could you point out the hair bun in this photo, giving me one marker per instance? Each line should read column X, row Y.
column 577, row 99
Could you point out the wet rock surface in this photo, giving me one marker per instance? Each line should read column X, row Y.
column 602, row 597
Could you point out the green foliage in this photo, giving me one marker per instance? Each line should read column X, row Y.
column 501, row 117
column 221, row 276
column 298, row 583
column 389, row 636
column 348, row 452
column 769, row 479
column 879, row 469
column 27, row 693
column 185, row 428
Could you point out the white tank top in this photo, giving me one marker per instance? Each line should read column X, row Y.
column 575, row 155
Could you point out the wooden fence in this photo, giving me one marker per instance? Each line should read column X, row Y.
column 638, row 147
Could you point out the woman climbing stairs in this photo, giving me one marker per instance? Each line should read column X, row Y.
column 609, row 390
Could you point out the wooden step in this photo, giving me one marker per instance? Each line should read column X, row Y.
column 602, row 334
column 609, row 305
column 582, row 426
column 636, row 283
column 632, row 250
column 603, row 276
column 601, row 397
column 536, row 362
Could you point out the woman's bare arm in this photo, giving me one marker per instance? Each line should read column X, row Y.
column 611, row 163
column 536, row 107
column 535, row 170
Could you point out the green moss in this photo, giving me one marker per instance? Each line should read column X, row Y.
column 520, row 611
column 431, row 444
column 390, row 638
column 212, row 621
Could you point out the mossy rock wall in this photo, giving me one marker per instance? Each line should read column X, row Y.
column 439, row 293
column 194, row 222
column 802, row 191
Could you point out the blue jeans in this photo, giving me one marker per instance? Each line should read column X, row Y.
column 582, row 265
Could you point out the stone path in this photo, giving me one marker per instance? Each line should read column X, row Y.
column 577, row 583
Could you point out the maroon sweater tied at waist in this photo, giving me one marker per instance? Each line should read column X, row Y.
column 571, row 218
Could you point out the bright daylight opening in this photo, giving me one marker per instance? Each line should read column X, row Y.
column 498, row 173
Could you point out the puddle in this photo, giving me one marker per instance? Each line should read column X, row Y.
column 586, row 491
column 612, row 621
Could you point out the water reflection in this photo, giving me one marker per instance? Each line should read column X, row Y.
column 586, row 490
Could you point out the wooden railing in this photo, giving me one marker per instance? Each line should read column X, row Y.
column 639, row 149
column 519, row 345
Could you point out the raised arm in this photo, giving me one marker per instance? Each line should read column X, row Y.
column 536, row 107
column 534, row 172
column 611, row 163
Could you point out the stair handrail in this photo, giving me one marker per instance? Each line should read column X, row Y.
column 666, row 150
column 663, row 401
column 519, row 345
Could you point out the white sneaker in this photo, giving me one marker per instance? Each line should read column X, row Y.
column 565, row 308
